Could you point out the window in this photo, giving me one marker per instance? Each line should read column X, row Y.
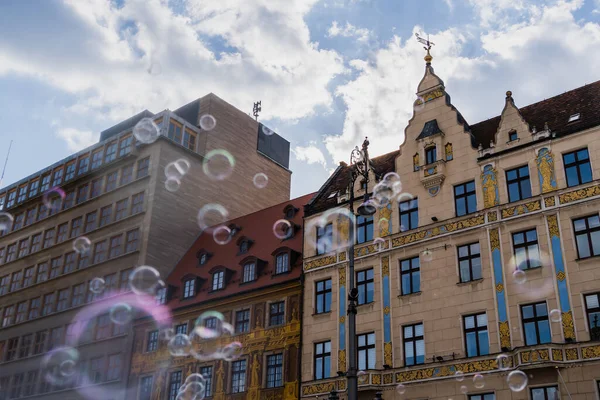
column 544, row 393
column 96, row 370
column 322, row 360
column 18, row 223
column 111, row 181
column 56, row 338
column 40, row 341
column 275, row 370
column 174, row 132
column 76, row 227
column 100, row 250
column 137, row 203
column 124, row 280
column 4, row 284
column 90, row 222
column 125, row 145
column 21, row 312
column 409, row 215
column 114, row 366
column 430, row 155
column 465, row 201
column 527, row 253
column 84, row 163
column 2, row 250
column 111, row 152
column 11, row 349
column 55, row 205
column 469, row 262
column 30, row 216
column 366, row 351
column 121, row 209
column 34, row 308
column 365, row 286
column 70, row 261
column 587, row 236
column 189, row 140
column 482, row 396
column 238, row 376
column 78, row 295
column 244, row 246
column 242, row 321
column 12, row 196
column 26, row 343
column 181, row 328
column 17, row 385
column 577, row 167
column 277, row 313
column 82, row 193
column 161, row 296
column 116, row 246
column 36, row 241
column 42, row 212
column 535, row 323
column 203, row 258
column 132, row 241
column 45, row 183
column 282, row 263
column 23, row 247
column 189, row 288
column 61, row 232
column 28, row 280
column 142, row 168
column 249, row 271
column 103, row 327
column 9, row 313
column 323, row 296
column 174, row 384
column 63, row 300
column 70, row 171
column 518, row 183
column 152, row 344
column 476, row 335
column 414, row 344
column 110, row 283
column 33, row 188
column 105, row 215
column 15, row 283
column 324, row 238
column 42, row 273
column 84, row 260
column 97, row 158
column 218, row 280
column 364, row 228
column 592, row 308
column 210, row 323
column 145, row 388
column 206, row 372
column 58, row 177
column 30, row 382
column 48, row 304
column 96, row 188
column 126, row 174
column 11, row 251
column 55, row 267
column 512, row 135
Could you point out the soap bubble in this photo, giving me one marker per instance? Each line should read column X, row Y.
column 555, row 315
column 383, row 192
column 517, row 380
column 503, row 362
column 459, row 375
column 97, row 285
column 121, row 313
column 427, row 255
column 145, row 280
column 222, row 235
column 52, row 199
column 215, row 330
column 177, row 169
column 208, row 122
column 231, row 351
column 82, row 245
column 282, row 229
column 6, row 221
column 401, row 389
column 218, row 164
column 479, row 381
column 361, row 373
column 179, row 345
column 59, row 365
column 196, row 377
column 172, row 184
column 191, row 391
column 379, row 244
column 260, row 180
column 419, row 104
column 267, row 131
column 211, row 215
column 146, row 131
column 67, row 368
column 519, row 276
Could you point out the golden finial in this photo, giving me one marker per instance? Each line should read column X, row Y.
column 428, row 57
column 427, row 47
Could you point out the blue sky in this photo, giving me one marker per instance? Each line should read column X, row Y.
column 328, row 72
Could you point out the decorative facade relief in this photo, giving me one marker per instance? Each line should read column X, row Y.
column 545, row 164
column 489, row 182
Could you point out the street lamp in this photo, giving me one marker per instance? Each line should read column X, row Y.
column 360, row 168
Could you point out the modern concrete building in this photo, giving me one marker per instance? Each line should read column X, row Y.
column 115, row 195
column 253, row 278
column 491, row 249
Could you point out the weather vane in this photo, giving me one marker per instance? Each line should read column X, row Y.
column 427, row 46
column 256, row 109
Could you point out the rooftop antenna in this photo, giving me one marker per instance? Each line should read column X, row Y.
column 256, row 109
column 5, row 162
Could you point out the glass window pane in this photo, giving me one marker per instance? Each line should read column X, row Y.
column 319, row 370
column 524, row 171
column 471, row 186
column 371, row 359
column 419, row 330
column 583, row 246
column 582, row 155
column 370, row 273
column 572, row 178
column 475, row 248
column 518, row 238
column 327, row 347
column 484, row 345
column 361, row 340
column 465, row 274
column 593, row 221
column 527, row 312
column 408, row 332
column 579, row 224
column 569, row 158
column 482, row 320
column 463, row 251
column 512, row 174
column 544, row 328
column 592, row 301
column 513, row 192
column 371, row 338
column 469, row 322
column 406, row 284
column 471, row 344
column 370, row 292
column 416, row 281
column 460, row 189
column 595, row 243
column 530, row 337
column 540, row 309
column 531, row 235
column 525, row 189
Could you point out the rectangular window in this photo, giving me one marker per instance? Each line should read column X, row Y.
column 189, row 288
column 2, row 252
column 82, row 193
column 45, row 183
column 126, row 174
column 9, row 314
column 242, row 321
column 4, row 284
column 97, row 158
column 76, row 227
column 17, row 385
column 121, row 211
column 365, row 286
column 33, row 188
column 96, row 188
column 48, row 304
column 57, row 178
column 11, row 349
column 189, row 140
column 238, row 376
column 105, row 215
column 152, row 343
column 137, row 203
column 465, row 201
column 28, row 279
column 36, row 241
column 483, row 396
column 587, row 236
column 124, row 280
column 132, row 240
column 174, row 132
column 55, row 205
column 70, row 171
column 83, row 165
column 63, row 300
column 125, row 145
column 39, row 343
column 145, row 388
column 11, row 252
column 102, row 327
column 116, row 246
column 161, row 296
column 323, row 296
column 96, row 370
column 12, row 197
column 142, row 167
column 100, row 251
column 18, row 223
column 111, row 152
column 527, row 253
column 181, row 328
column 282, row 263
column 23, row 247
column 22, row 194
column 15, row 283
column 69, row 199
column 84, row 260
column 409, row 215
column 70, row 262
column 322, row 360
column 21, row 312
column 592, row 308
column 174, row 384
column 364, row 228
column 518, row 183
column 469, row 262
column 111, row 181
column 414, row 344
column 577, row 167
column 110, row 283
column 544, row 393
column 277, row 313
column 366, row 351
column 30, row 383
column 275, row 370
column 55, row 267
column 42, row 212
column 324, row 239
column 218, row 280
column 535, row 323
column 249, row 272
column 56, row 338
column 42, row 272
column 30, row 216
column 114, row 366
column 62, row 232
column 26, row 343
column 78, row 296
column 430, row 155
column 206, row 372
column 476, row 335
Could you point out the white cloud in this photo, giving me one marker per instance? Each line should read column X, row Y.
column 361, row 34
column 311, row 154
column 449, row 4
column 77, row 139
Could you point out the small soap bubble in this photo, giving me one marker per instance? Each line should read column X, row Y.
column 218, row 164
column 260, row 180
column 361, row 373
column 146, row 131
column 383, row 192
column 401, row 389
column 215, row 330
column 60, row 365
column 555, row 315
column 179, row 345
column 6, row 221
column 52, row 199
column 379, row 244
column 479, row 381
column 196, row 377
column 519, row 276
column 172, row 184
column 222, row 235
column 459, row 376
column 503, row 362
column 427, row 255
column 177, row 169
column 211, row 215
column 208, row 122
column 191, row 391
column 145, row 280
column 282, row 229
column 267, row 131
column 67, row 367
column 464, row 389
column 517, row 380
column 419, row 104
column 154, row 69
column 121, row 313
column 97, row 285
column 232, row 351
column 82, row 245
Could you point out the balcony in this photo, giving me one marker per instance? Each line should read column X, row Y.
column 432, row 176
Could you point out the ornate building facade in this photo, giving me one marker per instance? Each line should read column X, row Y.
column 490, row 250
column 115, row 195
column 253, row 279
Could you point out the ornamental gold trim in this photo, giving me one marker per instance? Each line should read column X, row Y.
column 324, row 387
column 567, row 325
column 449, row 370
column 342, row 360
column 499, row 287
column 504, row 330
column 492, row 216
column 494, row 239
column 553, row 226
column 439, row 230
column 571, row 354
column 385, row 266
column 342, row 275
column 320, row 262
column 557, row 355
column 342, row 256
column 560, row 276
column 590, row 352
column 521, row 209
column 579, row 194
column 387, row 354
column 549, row 202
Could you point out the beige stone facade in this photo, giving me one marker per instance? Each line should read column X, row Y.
column 563, row 352
column 121, row 204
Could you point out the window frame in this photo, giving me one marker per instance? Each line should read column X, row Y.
column 476, row 329
column 242, row 325
column 411, row 271
column 238, row 376
column 279, row 314
column 321, row 358
column 189, row 288
column 245, row 271
column 365, row 228
column 151, row 341
column 217, row 281
column 469, row 258
column 577, row 163
column 545, row 389
column 430, row 153
column 413, row 341
column 324, row 233
column 588, row 231
column 175, row 378
column 535, row 319
column 519, row 181
column 326, row 305
column 594, row 331
column 364, row 349
column 274, row 370
column 364, row 283
column 465, row 195
column 409, row 213
column 526, row 245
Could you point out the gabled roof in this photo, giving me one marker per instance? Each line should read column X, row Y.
column 429, row 129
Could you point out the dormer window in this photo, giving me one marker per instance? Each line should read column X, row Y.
column 189, row 288
column 430, row 155
column 218, row 280
column 249, row 272
column 161, row 296
column 282, row 263
column 574, row 117
column 203, row 258
column 290, row 211
column 512, row 135
column 244, row 243
column 244, row 246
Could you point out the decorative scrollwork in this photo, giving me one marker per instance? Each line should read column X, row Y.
column 494, row 239
column 553, row 226
column 320, row 262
